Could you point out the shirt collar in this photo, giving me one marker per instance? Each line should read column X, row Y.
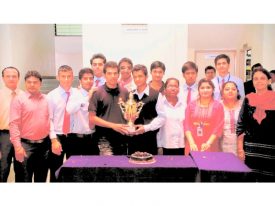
column 98, row 78
column 225, row 78
column 62, row 91
column 9, row 91
column 84, row 92
column 194, row 86
column 145, row 91
column 38, row 95
column 179, row 102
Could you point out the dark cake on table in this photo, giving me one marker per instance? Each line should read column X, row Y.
column 142, row 158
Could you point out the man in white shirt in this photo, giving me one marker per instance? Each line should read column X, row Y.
column 189, row 90
column 222, row 64
column 97, row 62
column 80, row 140
column 10, row 76
column 61, row 122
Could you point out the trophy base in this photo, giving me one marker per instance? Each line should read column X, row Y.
column 131, row 129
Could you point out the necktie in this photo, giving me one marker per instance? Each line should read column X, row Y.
column 188, row 95
column 221, row 85
column 232, row 121
column 66, row 121
column 97, row 82
column 13, row 94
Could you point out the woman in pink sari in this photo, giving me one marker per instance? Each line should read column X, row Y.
column 204, row 120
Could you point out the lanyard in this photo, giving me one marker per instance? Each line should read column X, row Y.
column 225, row 81
column 220, row 86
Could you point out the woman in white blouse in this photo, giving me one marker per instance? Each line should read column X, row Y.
column 171, row 134
column 232, row 105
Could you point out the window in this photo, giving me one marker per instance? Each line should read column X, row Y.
column 68, row 30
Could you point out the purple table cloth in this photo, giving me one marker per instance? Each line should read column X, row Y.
column 123, row 162
column 119, row 169
column 221, row 167
column 219, row 161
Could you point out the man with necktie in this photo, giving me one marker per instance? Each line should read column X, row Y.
column 10, row 76
column 61, row 120
column 189, row 90
column 97, row 62
column 222, row 64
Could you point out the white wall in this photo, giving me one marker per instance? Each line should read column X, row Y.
column 231, row 37
column 269, row 47
column 28, row 47
column 166, row 43
column 68, row 50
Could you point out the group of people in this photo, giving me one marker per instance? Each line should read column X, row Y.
column 213, row 114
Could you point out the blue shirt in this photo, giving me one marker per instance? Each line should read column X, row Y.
column 217, row 81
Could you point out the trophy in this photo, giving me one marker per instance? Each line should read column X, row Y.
column 130, row 110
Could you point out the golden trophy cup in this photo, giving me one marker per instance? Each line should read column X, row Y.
column 130, row 110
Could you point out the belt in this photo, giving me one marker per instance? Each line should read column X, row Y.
column 34, row 141
column 4, row 130
column 82, row 135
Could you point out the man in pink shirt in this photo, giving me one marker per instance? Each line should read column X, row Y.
column 29, row 129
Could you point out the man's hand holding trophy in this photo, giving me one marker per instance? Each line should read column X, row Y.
column 131, row 110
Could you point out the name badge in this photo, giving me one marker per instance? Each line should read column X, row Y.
column 199, row 131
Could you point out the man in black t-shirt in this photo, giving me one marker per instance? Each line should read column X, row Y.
column 106, row 115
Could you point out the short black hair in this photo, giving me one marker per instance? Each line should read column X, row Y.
column 85, row 71
column 157, row 64
column 65, row 68
column 222, row 56
column 209, row 68
column 140, row 67
column 33, row 73
column 10, row 67
column 189, row 65
column 110, row 64
column 125, row 59
column 256, row 66
column 272, row 72
column 98, row 56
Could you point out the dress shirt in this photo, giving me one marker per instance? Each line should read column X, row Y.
column 145, row 91
column 77, row 106
column 57, row 105
column 171, row 134
column 6, row 97
column 29, row 118
column 129, row 85
column 102, row 81
column 217, row 81
column 184, row 92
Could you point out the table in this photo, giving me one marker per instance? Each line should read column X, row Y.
column 221, row 167
column 119, row 169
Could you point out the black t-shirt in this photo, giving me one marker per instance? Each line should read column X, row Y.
column 104, row 103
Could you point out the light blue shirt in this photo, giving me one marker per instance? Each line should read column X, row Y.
column 184, row 92
column 77, row 106
column 102, row 81
column 57, row 104
column 217, row 81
